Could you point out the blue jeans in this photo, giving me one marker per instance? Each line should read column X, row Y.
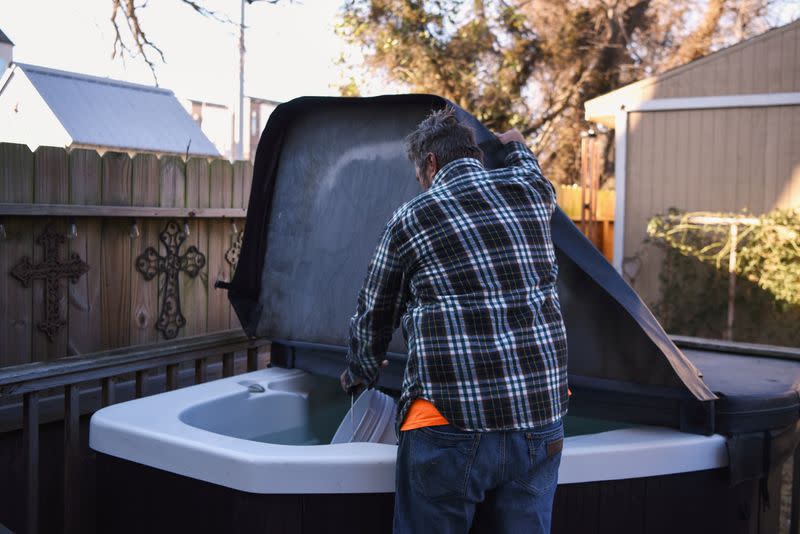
column 502, row 481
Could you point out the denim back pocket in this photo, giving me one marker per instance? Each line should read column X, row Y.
column 544, row 459
column 441, row 460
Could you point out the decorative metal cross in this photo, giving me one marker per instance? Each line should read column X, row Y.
column 150, row 264
column 232, row 255
column 51, row 271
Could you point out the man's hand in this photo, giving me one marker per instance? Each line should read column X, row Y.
column 511, row 135
column 355, row 385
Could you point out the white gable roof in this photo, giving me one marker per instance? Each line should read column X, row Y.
column 119, row 115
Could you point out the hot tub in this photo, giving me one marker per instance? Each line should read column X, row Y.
column 277, row 442
column 227, row 441
column 658, row 439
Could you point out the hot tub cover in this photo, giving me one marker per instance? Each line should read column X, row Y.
column 328, row 174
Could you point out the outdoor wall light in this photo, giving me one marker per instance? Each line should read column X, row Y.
column 135, row 230
column 186, row 228
column 72, row 233
column 234, row 228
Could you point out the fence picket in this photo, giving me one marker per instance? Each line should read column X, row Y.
column 242, row 179
column 218, row 269
column 116, row 253
column 51, row 176
column 172, row 182
column 85, row 178
column 51, row 186
column 145, row 189
column 218, row 243
column 16, row 301
column 194, row 291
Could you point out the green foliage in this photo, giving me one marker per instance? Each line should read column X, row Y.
column 694, row 276
column 694, row 302
column 767, row 252
column 771, row 255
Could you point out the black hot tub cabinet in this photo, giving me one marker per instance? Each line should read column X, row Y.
column 659, row 439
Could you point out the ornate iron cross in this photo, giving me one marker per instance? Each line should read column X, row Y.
column 51, row 271
column 150, row 264
column 232, row 255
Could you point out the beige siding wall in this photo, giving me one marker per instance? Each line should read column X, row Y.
column 725, row 160
column 768, row 63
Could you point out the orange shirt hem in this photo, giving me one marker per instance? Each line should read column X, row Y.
column 422, row 413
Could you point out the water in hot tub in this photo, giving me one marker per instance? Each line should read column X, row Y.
column 328, row 407
column 317, row 429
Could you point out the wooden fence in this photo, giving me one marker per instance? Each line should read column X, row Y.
column 82, row 265
column 77, row 275
column 598, row 226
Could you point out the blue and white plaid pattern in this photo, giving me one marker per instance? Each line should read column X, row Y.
column 469, row 270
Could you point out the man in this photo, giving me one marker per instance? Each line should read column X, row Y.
column 469, row 270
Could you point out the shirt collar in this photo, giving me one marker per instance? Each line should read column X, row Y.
column 455, row 169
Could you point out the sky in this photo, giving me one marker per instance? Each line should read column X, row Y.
column 291, row 47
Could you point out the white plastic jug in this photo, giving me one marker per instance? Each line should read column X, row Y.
column 371, row 419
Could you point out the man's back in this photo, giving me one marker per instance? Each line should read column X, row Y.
column 483, row 325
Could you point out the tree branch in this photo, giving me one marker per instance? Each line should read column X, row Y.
column 128, row 10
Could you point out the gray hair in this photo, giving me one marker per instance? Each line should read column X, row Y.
column 444, row 136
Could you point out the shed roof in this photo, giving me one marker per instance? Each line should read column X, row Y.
column 110, row 113
column 603, row 108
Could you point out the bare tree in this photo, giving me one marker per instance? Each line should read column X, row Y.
column 125, row 14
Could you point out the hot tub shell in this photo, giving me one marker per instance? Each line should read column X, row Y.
column 192, row 448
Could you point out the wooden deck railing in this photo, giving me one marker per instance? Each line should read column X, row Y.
column 31, row 380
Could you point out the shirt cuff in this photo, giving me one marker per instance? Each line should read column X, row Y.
column 355, row 373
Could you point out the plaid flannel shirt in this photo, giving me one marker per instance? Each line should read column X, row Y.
column 469, row 270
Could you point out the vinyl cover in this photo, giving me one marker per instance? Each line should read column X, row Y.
column 328, row 174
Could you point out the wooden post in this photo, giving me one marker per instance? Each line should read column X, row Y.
column 30, row 433
column 732, row 282
column 227, row 364
column 584, row 179
column 252, row 359
column 72, row 446
column 172, row 377
column 140, row 376
column 590, row 183
column 108, row 391
column 200, row 370
column 594, row 185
